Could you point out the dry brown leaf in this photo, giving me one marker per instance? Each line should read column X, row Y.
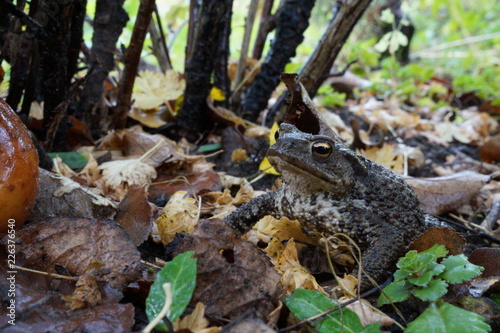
column 61, row 196
column 151, row 89
column 229, row 267
column 490, row 151
column 39, row 308
column 294, row 274
column 367, row 314
column 135, row 214
column 86, row 293
column 453, row 241
column 449, row 131
column 444, row 194
column 239, row 155
column 283, row 229
column 165, row 186
column 179, row 214
column 384, row 156
column 257, row 131
column 80, row 245
column 195, row 322
column 151, row 118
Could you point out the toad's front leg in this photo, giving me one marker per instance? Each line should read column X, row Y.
column 245, row 217
column 380, row 258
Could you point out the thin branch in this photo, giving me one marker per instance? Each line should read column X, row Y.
column 266, row 26
column 33, row 25
column 242, row 63
column 131, row 60
column 456, row 43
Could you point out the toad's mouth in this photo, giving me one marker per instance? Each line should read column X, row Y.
column 286, row 163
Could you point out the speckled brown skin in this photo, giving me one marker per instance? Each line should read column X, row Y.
column 338, row 191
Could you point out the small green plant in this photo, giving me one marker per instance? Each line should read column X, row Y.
column 180, row 273
column 420, row 275
column 331, row 97
column 306, row 304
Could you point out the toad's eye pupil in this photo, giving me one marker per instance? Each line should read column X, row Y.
column 276, row 135
column 321, row 149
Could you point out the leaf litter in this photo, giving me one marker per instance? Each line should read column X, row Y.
column 99, row 251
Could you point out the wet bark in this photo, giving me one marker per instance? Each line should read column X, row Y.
column 109, row 20
column 291, row 22
column 199, row 67
column 221, row 78
column 317, row 68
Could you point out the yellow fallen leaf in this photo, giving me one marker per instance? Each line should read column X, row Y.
column 294, row 274
column 179, row 214
column 265, row 166
column 283, row 229
column 195, row 322
column 239, row 155
column 152, row 89
column 384, row 156
column 217, row 94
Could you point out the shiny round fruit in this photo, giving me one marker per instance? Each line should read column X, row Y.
column 18, row 170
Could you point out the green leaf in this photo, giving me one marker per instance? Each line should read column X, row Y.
column 181, row 272
column 459, row 269
column 209, row 147
column 307, row 303
column 438, row 250
column 395, row 291
column 443, row 317
column 74, row 160
column 427, row 273
column 422, row 280
column 432, row 292
column 495, row 298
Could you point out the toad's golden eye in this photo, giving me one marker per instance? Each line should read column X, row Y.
column 276, row 134
column 321, row 149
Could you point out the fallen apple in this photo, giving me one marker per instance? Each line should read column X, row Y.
column 18, row 170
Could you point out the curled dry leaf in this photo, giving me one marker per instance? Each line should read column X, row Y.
column 60, row 196
column 179, row 214
column 444, row 194
column 239, row 155
column 39, row 308
column 223, row 202
column 80, row 245
column 367, row 314
column 135, row 214
column 384, row 156
column 283, row 229
column 248, row 324
column 453, row 241
column 294, row 274
column 489, row 280
column 86, row 293
column 195, row 322
column 152, row 89
column 490, row 151
column 228, row 266
column 166, row 185
column 117, row 176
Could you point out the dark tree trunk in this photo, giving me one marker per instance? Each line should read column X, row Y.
column 317, row 67
column 200, row 65
column 57, row 20
column 221, row 78
column 291, row 22
column 76, row 37
column 109, row 21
